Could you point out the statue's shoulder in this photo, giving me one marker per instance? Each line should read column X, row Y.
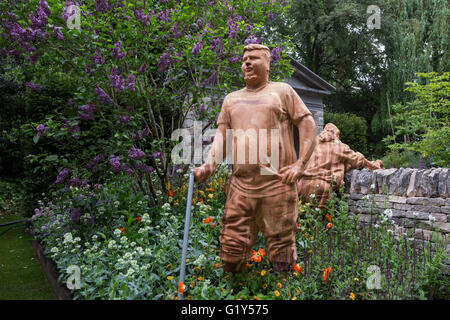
column 281, row 86
column 234, row 94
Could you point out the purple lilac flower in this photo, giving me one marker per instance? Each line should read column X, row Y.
column 98, row 59
column 65, row 14
column 44, row 6
column 248, row 28
column 57, row 33
column 271, row 15
column 87, row 111
column 126, row 168
column 146, row 131
column 197, row 48
column 232, row 28
column 234, row 58
column 33, row 86
column 136, row 153
column 116, row 80
column 164, row 61
column 42, row 130
column 124, row 119
column 211, row 79
column 116, row 53
column 103, row 96
column 165, row 1
column 115, row 163
column 145, row 168
column 275, row 55
column 251, row 40
column 164, row 16
column 63, row 174
column 102, row 6
column 130, row 82
column 217, row 45
column 142, row 17
column 157, row 154
column 143, row 68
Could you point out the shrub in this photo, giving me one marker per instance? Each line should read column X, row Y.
column 353, row 129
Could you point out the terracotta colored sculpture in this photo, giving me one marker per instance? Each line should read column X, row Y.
column 258, row 201
column 329, row 161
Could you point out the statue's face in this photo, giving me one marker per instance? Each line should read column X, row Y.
column 255, row 67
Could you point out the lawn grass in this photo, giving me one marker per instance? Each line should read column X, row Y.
column 21, row 275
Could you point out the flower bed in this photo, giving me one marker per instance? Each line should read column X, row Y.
column 127, row 250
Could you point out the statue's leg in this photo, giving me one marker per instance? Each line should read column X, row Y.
column 238, row 230
column 277, row 219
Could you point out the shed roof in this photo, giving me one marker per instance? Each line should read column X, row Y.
column 304, row 80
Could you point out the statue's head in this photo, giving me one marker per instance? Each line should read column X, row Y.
column 256, row 64
column 329, row 133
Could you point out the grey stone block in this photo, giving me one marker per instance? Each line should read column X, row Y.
column 383, row 178
column 445, row 209
column 399, row 182
column 443, row 184
column 425, row 201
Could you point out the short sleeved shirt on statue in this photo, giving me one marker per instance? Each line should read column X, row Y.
column 254, row 114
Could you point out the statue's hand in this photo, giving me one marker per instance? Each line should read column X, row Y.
column 290, row 173
column 200, row 174
column 379, row 163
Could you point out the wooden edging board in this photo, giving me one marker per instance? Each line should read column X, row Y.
column 50, row 270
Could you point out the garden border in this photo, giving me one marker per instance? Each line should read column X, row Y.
column 50, row 270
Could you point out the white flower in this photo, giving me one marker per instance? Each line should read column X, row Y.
column 54, row 250
column 117, row 232
column 68, row 238
column 390, row 231
column 123, row 239
column 148, row 252
column 372, row 186
column 415, row 214
column 388, row 213
column 130, row 272
column 312, row 196
column 376, row 225
column 127, row 256
column 431, row 218
column 111, row 244
column 77, row 239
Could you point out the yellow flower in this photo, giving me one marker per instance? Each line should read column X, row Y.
column 263, row 273
column 298, row 291
column 200, row 278
column 187, row 260
column 356, row 279
column 192, row 285
column 189, row 298
column 169, row 278
column 352, row 296
column 309, row 251
column 294, row 298
column 264, row 286
column 277, row 293
column 202, row 193
column 279, row 285
column 210, row 195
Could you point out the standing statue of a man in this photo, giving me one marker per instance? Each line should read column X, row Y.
column 260, row 197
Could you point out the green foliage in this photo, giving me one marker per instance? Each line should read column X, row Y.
column 423, row 125
column 353, row 129
column 404, row 159
column 132, row 251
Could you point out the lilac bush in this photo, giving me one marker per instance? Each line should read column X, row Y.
column 137, row 69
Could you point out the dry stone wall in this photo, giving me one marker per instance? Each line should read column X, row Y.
column 418, row 199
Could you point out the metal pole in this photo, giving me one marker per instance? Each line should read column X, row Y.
column 187, row 223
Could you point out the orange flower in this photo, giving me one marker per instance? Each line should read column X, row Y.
column 325, row 273
column 213, row 225
column 180, row 287
column 298, row 268
column 138, row 219
column 262, row 252
column 217, row 266
column 207, row 220
column 210, row 189
column 329, row 225
column 328, row 217
column 201, row 200
column 123, row 230
column 171, row 193
column 256, row 258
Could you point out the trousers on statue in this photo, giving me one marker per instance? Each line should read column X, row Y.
column 275, row 216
